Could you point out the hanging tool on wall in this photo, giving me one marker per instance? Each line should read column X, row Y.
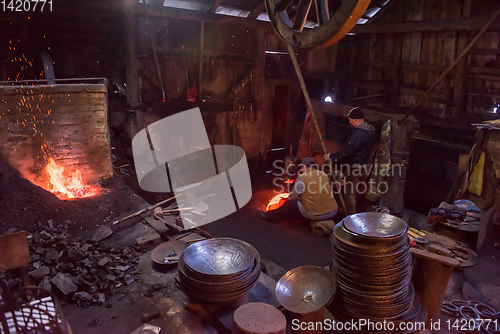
column 155, row 55
column 253, row 108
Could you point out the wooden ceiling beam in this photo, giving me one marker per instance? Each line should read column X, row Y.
column 425, row 26
column 72, row 37
column 191, row 15
column 382, row 11
column 80, row 26
column 214, row 6
column 100, row 6
column 259, row 8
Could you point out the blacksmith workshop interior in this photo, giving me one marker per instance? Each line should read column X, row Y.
column 249, row 166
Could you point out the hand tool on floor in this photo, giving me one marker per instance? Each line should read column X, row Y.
column 104, row 231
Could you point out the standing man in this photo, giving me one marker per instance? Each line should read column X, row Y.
column 310, row 199
column 356, row 154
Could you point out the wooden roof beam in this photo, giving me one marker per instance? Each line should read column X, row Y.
column 382, row 11
column 425, row 26
column 77, row 25
column 191, row 15
column 257, row 10
column 214, row 6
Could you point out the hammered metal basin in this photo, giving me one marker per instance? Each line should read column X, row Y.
column 219, row 256
column 375, row 224
column 306, row 289
column 220, row 289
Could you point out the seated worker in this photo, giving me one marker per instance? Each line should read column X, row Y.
column 356, row 155
column 310, row 199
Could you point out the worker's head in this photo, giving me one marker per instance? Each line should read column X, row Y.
column 356, row 116
column 307, row 163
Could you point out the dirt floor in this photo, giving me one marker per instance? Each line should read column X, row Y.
column 283, row 246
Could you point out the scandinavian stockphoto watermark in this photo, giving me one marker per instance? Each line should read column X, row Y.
column 360, row 325
column 384, row 326
column 174, row 154
column 345, row 174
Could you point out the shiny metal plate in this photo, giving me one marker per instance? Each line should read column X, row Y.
column 219, row 256
column 306, row 289
column 375, row 224
column 371, row 262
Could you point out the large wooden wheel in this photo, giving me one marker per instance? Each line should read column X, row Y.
column 288, row 22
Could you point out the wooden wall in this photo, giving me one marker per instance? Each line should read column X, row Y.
column 224, row 63
column 83, row 39
column 398, row 60
column 227, row 57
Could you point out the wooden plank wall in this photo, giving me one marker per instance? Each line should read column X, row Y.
column 399, row 67
column 228, row 56
column 226, row 65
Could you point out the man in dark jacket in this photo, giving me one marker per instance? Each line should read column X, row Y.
column 356, row 156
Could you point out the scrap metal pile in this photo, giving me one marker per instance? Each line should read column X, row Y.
column 462, row 214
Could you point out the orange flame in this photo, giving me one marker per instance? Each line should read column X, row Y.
column 277, row 201
column 71, row 187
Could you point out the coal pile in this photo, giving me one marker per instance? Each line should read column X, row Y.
column 81, row 271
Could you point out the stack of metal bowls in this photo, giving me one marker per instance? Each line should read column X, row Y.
column 219, row 270
column 371, row 261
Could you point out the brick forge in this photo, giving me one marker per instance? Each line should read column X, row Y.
column 66, row 121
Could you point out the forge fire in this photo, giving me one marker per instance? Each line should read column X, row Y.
column 68, row 185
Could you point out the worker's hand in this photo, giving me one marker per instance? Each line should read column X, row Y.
column 326, row 156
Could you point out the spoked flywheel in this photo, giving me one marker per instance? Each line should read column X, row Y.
column 289, row 20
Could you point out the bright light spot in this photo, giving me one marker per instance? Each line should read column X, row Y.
column 495, row 110
column 277, row 201
column 329, row 99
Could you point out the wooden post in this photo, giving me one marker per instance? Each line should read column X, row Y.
column 397, row 71
column 258, row 83
column 352, row 67
column 200, row 75
column 459, row 96
column 155, row 55
column 445, row 73
column 430, row 276
column 132, row 79
column 313, row 116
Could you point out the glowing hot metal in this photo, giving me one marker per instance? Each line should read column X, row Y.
column 277, row 201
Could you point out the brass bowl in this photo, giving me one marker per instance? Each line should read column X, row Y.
column 219, row 257
column 306, row 289
column 375, row 225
